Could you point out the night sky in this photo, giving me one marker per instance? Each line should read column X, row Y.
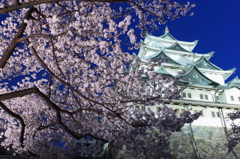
column 216, row 24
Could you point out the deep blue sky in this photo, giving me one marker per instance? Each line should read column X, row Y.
column 216, row 24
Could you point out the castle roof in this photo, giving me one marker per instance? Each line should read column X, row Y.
column 167, row 39
column 161, row 55
column 194, row 76
column 177, row 47
column 204, row 63
column 234, row 83
column 200, row 71
column 190, row 55
column 168, row 36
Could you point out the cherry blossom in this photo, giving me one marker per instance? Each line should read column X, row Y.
column 234, row 131
column 66, row 74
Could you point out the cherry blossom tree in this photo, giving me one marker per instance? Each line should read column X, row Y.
column 65, row 76
column 234, row 132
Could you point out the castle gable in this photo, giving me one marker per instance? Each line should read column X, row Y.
column 194, row 76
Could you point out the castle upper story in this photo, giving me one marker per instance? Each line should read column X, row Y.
column 203, row 80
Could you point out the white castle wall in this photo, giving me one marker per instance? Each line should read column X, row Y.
column 232, row 96
column 210, row 116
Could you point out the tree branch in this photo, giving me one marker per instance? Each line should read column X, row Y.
column 14, row 7
column 15, row 41
column 30, row 91
column 55, row 58
column 18, row 117
column 65, row 83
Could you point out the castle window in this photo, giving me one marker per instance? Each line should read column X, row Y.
column 232, row 98
column 217, row 98
column 206, row 97
column 137, row 107
column 213, row 114
column 218, row 114
column 201, row 96
column 184, row 95
column 189, row 95
column 238, row 98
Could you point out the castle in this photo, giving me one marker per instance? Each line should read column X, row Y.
column 205, row 90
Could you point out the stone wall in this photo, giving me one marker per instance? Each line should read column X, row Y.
column 210, row 142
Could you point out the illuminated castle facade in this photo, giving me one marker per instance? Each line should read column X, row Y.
column 206, row 91
column 205, row 82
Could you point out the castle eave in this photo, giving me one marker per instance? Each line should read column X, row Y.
column 190, row 45
column 203, row 104
column 169, row 65
column 221, row 72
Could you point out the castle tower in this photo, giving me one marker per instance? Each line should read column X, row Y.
column 205, row 82
column 205, row 90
